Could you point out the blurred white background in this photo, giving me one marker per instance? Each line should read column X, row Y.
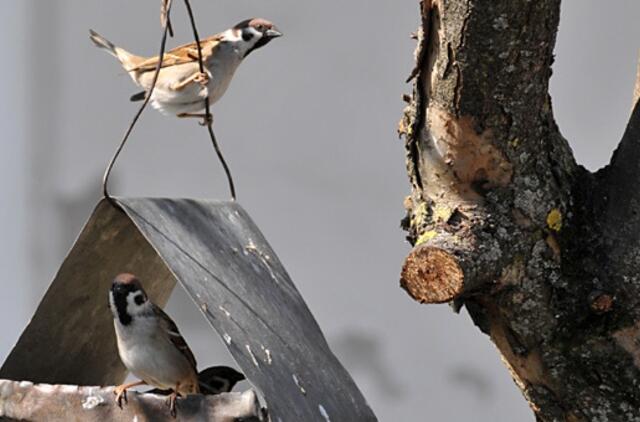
column 309, row 128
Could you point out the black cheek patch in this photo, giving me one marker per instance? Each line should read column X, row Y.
column 246, row 35
column 261, row 42
column 139, row 299
column 121, row 308
column 120, row 293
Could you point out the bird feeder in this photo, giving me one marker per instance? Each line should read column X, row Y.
column 215, row 252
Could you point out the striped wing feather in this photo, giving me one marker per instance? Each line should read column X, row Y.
column 187, row 53
column 176, row 338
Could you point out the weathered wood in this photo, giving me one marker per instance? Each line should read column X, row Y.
column 432, row 275
column 543, row 253
column 26, row 401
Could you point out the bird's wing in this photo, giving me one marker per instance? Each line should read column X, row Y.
column 187, row 53
column 175, row 337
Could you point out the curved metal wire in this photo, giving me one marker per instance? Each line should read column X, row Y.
column 208, row 118
column 107, row 173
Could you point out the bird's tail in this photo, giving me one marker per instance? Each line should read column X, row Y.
column 127, row 59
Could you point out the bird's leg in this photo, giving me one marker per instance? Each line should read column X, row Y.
column 121, row 391
column 200, row 77
column 206, row 119
column 171, row 401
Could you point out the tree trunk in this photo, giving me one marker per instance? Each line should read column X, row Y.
column 543, row 253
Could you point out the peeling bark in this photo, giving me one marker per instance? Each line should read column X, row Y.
column 544, row 254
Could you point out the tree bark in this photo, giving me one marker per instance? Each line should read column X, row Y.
column 543, row 253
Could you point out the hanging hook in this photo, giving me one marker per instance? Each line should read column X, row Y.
column 209, row 121
column 163, row 43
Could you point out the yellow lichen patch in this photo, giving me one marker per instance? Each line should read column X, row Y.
column 403, row 128
column 418, row 217
column 426, row 236
column 442, row 213
column 554, row 220
column 514, row 143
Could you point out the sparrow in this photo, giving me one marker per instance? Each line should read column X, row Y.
column 181, row 88
column 149, row 343
column 219, row 379
column 213, row 380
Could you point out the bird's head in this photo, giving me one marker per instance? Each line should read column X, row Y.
column 219, row 379
column 252, row 34
column 127, row 298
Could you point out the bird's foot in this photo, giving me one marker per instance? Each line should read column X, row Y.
column 207, row 119
column 121, row 391
column 171, row 402
column 202, row 78
column 121, row 394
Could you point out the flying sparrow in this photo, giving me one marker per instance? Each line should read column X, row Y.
column 213, row 380
column 181, row 89
column 149, row 343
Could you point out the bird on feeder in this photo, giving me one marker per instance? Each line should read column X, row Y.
column 181, row 88
column 149, row 343
column 213, row 380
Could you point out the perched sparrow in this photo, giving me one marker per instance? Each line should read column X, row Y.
column 218, row 379
column 213, row 380
column 181, row 88
column 149, row 343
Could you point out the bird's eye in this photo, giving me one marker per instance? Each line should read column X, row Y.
column 246, row 34
column 139, row 299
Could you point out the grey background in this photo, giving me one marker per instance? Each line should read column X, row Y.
column 309, row 127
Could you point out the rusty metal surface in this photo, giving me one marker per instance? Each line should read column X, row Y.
column 66, row 403
column 216, row 252
column 227, row 267
column 70, row 338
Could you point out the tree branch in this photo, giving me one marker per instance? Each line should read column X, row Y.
column 620, row 223
column 478, row 130
column 543, row 254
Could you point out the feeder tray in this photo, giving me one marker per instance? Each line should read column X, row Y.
column 218, row 255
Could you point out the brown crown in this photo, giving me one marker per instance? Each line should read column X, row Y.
column 126, row 278
column 254, row 22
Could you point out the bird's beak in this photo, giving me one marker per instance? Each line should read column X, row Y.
column 273, row 33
